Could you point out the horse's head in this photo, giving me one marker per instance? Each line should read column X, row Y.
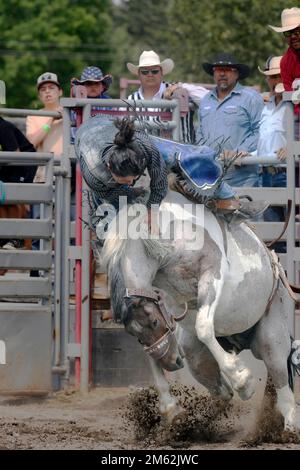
column 154, row 327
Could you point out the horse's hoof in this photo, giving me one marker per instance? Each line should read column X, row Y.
column 290, row 422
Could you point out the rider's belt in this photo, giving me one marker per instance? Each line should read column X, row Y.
column 273, row 170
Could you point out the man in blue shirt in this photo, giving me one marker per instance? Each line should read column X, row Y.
column 229, row 117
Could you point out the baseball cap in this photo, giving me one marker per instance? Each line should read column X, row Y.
column 47, row 77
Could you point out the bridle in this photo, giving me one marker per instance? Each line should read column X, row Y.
column 160, row 348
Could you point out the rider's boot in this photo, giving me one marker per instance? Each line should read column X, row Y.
column 234, row 210
column 238, row 210
column 252, row 209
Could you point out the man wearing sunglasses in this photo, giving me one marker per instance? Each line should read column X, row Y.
column 151, row 72
column 290, row 62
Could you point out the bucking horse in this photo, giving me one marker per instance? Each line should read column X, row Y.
column 224, row 285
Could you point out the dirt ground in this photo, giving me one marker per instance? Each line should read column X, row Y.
column 118, row 418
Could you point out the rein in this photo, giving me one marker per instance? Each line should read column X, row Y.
column 286, row 223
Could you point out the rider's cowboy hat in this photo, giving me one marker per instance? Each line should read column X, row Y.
column 149, row 59
column 94, row 74
column 224, row 60
column 272, row 66
column 290, row 19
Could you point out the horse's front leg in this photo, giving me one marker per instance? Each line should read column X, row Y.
column 209, row 296
column 168, row 406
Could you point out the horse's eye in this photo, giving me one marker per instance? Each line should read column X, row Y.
column 155, row 323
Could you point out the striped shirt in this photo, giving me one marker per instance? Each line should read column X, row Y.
column 187, row 131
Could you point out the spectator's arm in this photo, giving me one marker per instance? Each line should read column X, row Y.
column 36, row 133
column 196, row 92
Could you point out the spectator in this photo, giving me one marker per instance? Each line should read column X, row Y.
column 290, row 62
column 272, row 133
column 151, row 71
column 92, row 84
column 44, row 132
column 229, row 117
column 95, row 84
column 12, row 140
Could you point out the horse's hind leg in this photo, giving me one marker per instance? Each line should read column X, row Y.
column 272, row 344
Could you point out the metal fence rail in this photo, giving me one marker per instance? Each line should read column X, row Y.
column 26, row 327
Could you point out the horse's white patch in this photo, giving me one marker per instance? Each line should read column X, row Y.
column 240, row 264
column 204, row 324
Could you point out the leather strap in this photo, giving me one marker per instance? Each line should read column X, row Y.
column 148, row 294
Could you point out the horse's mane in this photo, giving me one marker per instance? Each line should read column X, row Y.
column 113, row 251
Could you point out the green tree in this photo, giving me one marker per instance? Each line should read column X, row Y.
column 138, row 25
column 202, row 28
column 61, row 36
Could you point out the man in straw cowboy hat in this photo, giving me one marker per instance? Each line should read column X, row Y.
column 272, row 133
column 229, row 117
column 290, row 62
column 151, row 72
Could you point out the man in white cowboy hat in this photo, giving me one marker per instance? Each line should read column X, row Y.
column 151, row 72
column 272, row 133
column 290, row 62
column 229, row 117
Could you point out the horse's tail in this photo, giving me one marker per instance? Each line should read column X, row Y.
column 293, row 361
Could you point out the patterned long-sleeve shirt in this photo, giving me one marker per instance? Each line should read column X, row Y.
column 92, row 146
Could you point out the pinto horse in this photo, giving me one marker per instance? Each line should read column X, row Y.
column 230, row 287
